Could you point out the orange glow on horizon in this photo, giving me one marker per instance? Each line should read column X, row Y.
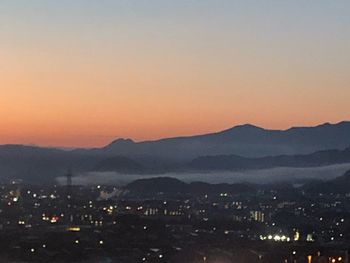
column 75, row 79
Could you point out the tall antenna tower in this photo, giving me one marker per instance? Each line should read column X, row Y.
column 69, row 214
column 69, row 184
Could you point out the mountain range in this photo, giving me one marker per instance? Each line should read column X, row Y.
column 235, row 162
column 241, row 147
column 244, row 140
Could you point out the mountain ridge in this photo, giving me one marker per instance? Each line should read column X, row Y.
column 235, row 162
column 235, row 127
column 174, row 154
column 244, row 140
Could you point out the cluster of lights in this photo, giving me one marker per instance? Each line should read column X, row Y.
column 74, row 229
column 53, row 219
column 96, row 223
column 109, row 209
column 276, row 238
column 333, row 260
column 160, row 256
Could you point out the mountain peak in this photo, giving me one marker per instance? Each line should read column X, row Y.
column 122, row 141
column 247, row 126
column 323, row 125
column 328, row 124
column 244, row 127
column 343, row 123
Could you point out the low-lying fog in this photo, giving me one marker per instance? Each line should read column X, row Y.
column 264, row 176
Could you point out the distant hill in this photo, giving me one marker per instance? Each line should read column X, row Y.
column 340, row 185
column 168, row 185
column 119, row 164
column 41, row 165
column 244, row 140
column 156, row 185
column 234, row 162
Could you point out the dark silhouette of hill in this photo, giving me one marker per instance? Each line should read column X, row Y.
column 339, row 185
column 119, row 164
column 244, row 140
column 234, row 162
column 343, row 180
column 41, row 165
column 241, row 147
column 156, row 185
column 168, row 185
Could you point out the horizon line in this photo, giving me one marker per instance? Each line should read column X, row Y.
column 68, row 148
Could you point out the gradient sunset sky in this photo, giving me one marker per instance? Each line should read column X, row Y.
column 82, row 73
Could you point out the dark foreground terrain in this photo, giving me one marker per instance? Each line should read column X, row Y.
column 166, row 220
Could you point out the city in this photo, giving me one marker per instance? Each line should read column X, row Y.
column 162, row 220
column 174, row 131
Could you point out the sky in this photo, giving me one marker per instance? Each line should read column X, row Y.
column 82, row 73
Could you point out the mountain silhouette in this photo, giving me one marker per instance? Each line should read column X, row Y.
column 234, row 162
column 339, row 185
column 240, row 147
column 244, row 140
